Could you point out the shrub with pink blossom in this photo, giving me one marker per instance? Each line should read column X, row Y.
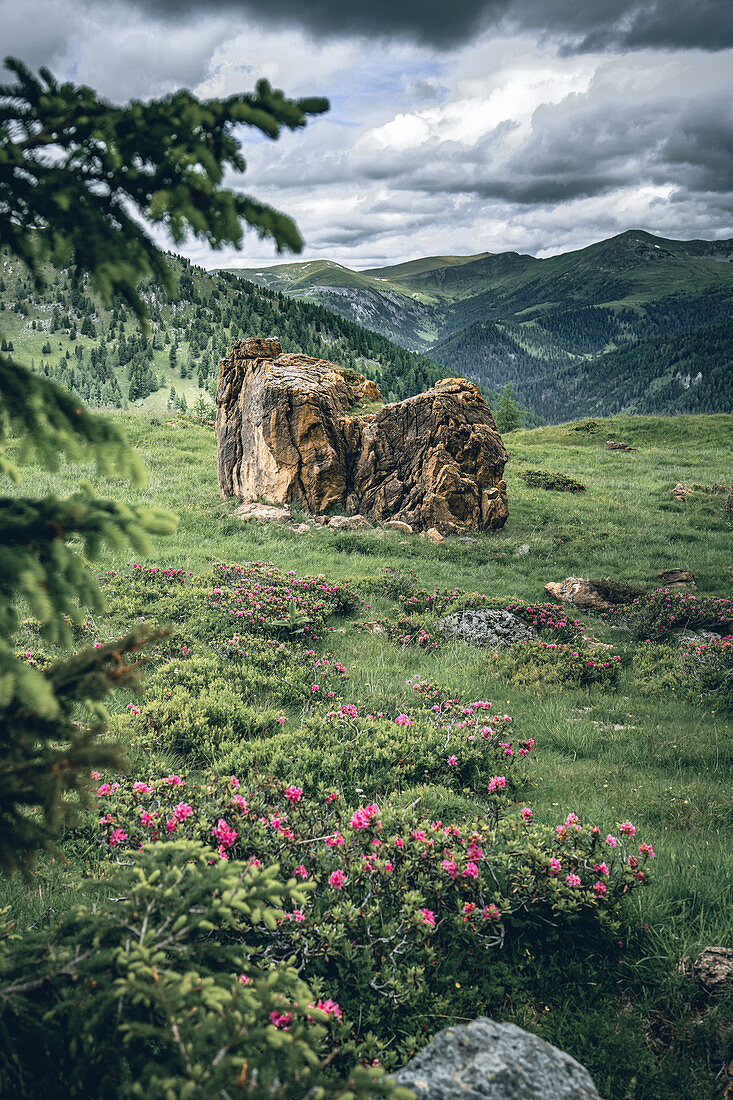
column 569, row 664
column 402, row 907
column 166, row 991
column 661, row 613
column 707, row 671
column 557, row 621
column 259, row 598
column 461, row 746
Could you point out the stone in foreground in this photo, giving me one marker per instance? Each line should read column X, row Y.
column 488, row 626
column 486, row 1060
column 286, row 431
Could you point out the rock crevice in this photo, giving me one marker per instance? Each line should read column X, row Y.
column 286, row 430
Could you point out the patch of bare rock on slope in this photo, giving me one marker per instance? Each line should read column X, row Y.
column 286, row 432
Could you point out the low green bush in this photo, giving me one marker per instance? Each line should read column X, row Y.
column 164, row 992
column 546, row 479
column 201, row 708
column 410, row 923
column 660, row 614
column 587, row 427
column 538, row 662
column 707, row 669
column 657, row 669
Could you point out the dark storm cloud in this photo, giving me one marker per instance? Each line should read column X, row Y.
column 700, row 149
column 583, row 25
column 581, row 149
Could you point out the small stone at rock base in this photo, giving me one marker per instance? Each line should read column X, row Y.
column 673, row 578
column 348, row 523
column 374, row 628
column 322, row 520
column 486, row 1060
column 680, row 491
column 580, row 593
column 522, row 550
column 398, row 525
column 300, row 528
column 467, row 539
column 614, row 445
column 487, row 626
column 434, row 536
column 713, row 967
column 265, row 513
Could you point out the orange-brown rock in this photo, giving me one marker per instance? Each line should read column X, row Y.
column 285, row 432
column 581, row 593
column 677, row 578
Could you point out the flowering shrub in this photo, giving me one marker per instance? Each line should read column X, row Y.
column 254, row 598
column 660, row 613
column 404, row 917
column 344, row 745
column 165, row 992
column 551, row 618
column 260, row 599
column 707, row 669
column 533, row 661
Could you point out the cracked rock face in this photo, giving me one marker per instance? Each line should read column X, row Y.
column 490, row 1061
column 285, row 431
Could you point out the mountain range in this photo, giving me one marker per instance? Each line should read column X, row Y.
column 635, row 323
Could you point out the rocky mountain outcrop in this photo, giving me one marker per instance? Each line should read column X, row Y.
column 286, row 430
column 486, row 1060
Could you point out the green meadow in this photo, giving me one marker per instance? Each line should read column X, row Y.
column 641, row 749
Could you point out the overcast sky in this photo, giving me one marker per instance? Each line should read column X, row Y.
column 473, row 126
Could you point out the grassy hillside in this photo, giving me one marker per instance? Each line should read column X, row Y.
column 640, row 749
column 507, row 317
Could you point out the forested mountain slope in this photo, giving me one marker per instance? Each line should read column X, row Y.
column 101, row 355
column 690, row 373
column 540, row 322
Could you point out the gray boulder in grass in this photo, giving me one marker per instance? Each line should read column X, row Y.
column 489, row 626
column 485, row 1060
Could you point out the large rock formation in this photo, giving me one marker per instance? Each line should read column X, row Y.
column 285, row 431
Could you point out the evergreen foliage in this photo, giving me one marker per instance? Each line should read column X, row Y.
column 509, row 415
column 76, row 176
column 164, row 993
column 201, row 321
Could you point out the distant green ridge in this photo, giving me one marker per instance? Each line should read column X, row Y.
column 499, row 317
